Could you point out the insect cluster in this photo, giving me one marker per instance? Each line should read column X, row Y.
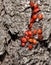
column 29, row 33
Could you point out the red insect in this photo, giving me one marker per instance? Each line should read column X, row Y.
column 34, row 16
column 36, row 10
column 23, row 39
column 40, row 16
column 39, row 31
column 30, row 46
column 35, row 32
column 31, row 4
column 23, row 44
column 30, row 25
column 29, row 33
column 34, row 41
column 35, row 6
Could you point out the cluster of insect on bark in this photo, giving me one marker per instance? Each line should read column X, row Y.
column 28, row 37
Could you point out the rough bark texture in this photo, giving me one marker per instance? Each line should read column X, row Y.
column 13, row 22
